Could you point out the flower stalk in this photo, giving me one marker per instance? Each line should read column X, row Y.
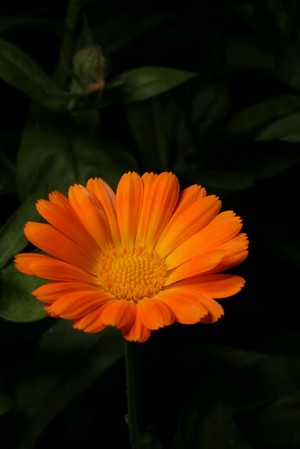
column 135, row 419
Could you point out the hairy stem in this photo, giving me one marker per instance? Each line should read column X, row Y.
column 135, row 421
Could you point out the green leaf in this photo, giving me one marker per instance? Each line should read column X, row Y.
column 66, row 363
column 286, row 128
column 19, row 70
column 258, row 114
column 272, row 424
column 12, row 238
column 143, row 83
column 17, row 303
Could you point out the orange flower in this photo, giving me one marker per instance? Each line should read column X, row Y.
column 139, row 259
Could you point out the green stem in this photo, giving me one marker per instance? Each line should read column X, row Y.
column 135, row 421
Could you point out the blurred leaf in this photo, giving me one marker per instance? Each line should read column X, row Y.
column 11, row 22
column 207, row 419
column 258, row 114
column 249, row 54
column 12, row 238
column 286, row 128
column 17, row 303
column 7, row 175
column 228, row 179
column 109, row 161
column 45, row 154
column 272, row 424
column 67, row 149
column 264, row 167
column 246, row 10
column 209, row 104
column 271, row 19
column 119, row 31
column 287, row 247
column 66, row 363
column 6, row 403
column 161, row 132
column 245, row 171
column 233, row 356
column 86, row 36
column 288, row 67
column 20, row 71
column 143, row 83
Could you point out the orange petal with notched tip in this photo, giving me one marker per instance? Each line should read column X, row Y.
column 52, row 269
column 91, row 214
column 53, row 242
column 107, row 199
column 129, row 199
column 161, row 194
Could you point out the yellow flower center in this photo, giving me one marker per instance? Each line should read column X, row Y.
column 132, row 273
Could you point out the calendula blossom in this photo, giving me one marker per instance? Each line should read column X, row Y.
column 139, row 259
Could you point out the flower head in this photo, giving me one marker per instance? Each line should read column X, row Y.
column 139, row 259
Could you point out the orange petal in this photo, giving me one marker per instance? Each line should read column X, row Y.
column 90, row 322
column 53, row 242
column 185, row 303
column 119, row 313
column 107, row 198
column 155, row 313
column 24, row 262
column 53, row 290
column 161, row 194
column 137, row 331
column 53, row 269
column 129, row 199
column 91, row 214
column 224, row 227
column 220, row 285
column 60, row 200
column 188, row 196
column 215, row 311
column 186, row 221
column 66, row 221
column 195, row 266
column 235, row 252
column 77, row 304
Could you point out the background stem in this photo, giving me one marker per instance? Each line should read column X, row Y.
column 68, row 43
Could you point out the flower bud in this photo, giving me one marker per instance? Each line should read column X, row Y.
column 89, row 68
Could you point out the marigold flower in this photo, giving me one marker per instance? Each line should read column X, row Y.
column 139, row 259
